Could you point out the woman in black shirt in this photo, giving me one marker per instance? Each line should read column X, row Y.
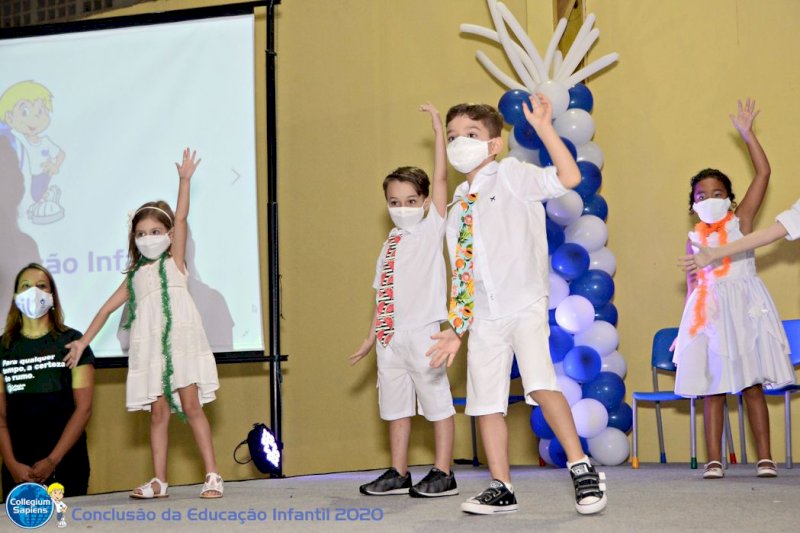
column 44, row 406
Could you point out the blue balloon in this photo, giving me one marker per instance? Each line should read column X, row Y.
column 607, row 313
column 580, row 97
column 582, row 364
column 607, row 388
column 596, row 286
column 551, row 317
column 570, row 260
column 539, row 424
column 527, row 137
column 555, row 235
column 561, row 342
column 514, row 368
column 510, row 106
column 591, row 179
column 557, row 454
column 544, row 155
column 621, row 417
column 595, row 205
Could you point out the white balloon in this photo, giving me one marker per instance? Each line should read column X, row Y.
column 591, row 417
column 589, row 231
column 544, row 450
column 592, row 153
column 570, row 389
column 601, row 336
column 575, row 313
column 603, row 259
column 525, row 155
column 557, row 93
column 559, row 289
column 512, row 141
column 565, row 209
column 614, row 362
column 609, row 447
column 559, row 369
column 576, row 125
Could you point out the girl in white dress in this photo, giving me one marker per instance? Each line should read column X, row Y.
column 170, row 364
column 731, row 339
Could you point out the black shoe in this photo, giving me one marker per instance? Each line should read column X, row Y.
column 390, row 482
column 496, row 499
column 590, row 491
column 434, row 485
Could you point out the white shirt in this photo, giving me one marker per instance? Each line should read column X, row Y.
column 510, row 258
column 420, row 280
column 39, row 153
column 790, row 219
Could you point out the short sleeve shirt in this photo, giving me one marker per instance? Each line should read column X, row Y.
column 790, row 219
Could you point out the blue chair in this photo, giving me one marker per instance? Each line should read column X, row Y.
column 661, row 361
column 792, row 328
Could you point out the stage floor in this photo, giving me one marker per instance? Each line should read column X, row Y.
column 653, row 498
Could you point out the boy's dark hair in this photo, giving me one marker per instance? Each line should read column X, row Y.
column 481, row 112
column 711, row 173
column 416, row 177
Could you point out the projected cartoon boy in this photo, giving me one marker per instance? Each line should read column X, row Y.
column 56, row 492
column 25, row 107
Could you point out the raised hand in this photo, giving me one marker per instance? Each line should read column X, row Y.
column 435, row 118
column 445, row 348
column 362, row 351
column 188, row 165
column 542, row 113
column 743, row 119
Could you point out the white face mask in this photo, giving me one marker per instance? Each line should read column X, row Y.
column 34, row 302
column 712, row 210
column 406, row 217
column 152, row 246
column 466, row 154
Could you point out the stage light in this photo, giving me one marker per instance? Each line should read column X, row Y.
column 265, row 450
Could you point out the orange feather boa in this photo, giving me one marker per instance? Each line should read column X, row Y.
column 705, row 230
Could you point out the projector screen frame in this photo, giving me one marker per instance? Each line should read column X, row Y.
column 175, row 16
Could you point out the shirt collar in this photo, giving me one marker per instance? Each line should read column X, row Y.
column 478, row 182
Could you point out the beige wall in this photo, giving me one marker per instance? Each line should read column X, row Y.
column 351, row 74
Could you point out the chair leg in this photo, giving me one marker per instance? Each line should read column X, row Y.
column 742, row 436
column 729, row 434
column 692, row 433
column 475, row 461
column 787, row 409
column 661, row 449
column 635, row 438
column 724, row 436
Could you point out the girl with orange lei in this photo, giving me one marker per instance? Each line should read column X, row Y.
column 731, row 339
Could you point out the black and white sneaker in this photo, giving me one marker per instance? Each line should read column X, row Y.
column 389, row 483
column 495, row 499
column 434, row 485
column 590, row 489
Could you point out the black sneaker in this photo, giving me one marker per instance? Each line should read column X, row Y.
column 590, row 491
column 390, row 482
column 496, row 499
column 434, row 485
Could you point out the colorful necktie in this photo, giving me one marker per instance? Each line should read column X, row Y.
column 462, row 288
column 384, row 300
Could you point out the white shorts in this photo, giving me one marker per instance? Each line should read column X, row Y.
column 490, row 354
column 405, row 376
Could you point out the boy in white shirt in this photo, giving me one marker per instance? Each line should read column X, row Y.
column 409, row 306
column 498, row 247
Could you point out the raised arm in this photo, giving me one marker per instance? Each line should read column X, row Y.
column 82, row 390
column 77, row 347
column 751, row 202
column 181, row 228
column 439, row 184
column 541, row 118
column 706, row 256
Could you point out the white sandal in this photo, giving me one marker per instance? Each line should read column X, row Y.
column 212, row 484
column 713, row 470
column 766, row 468
column 147, row 492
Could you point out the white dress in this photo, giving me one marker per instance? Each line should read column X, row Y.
column 192, row 359
column 743, row 342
